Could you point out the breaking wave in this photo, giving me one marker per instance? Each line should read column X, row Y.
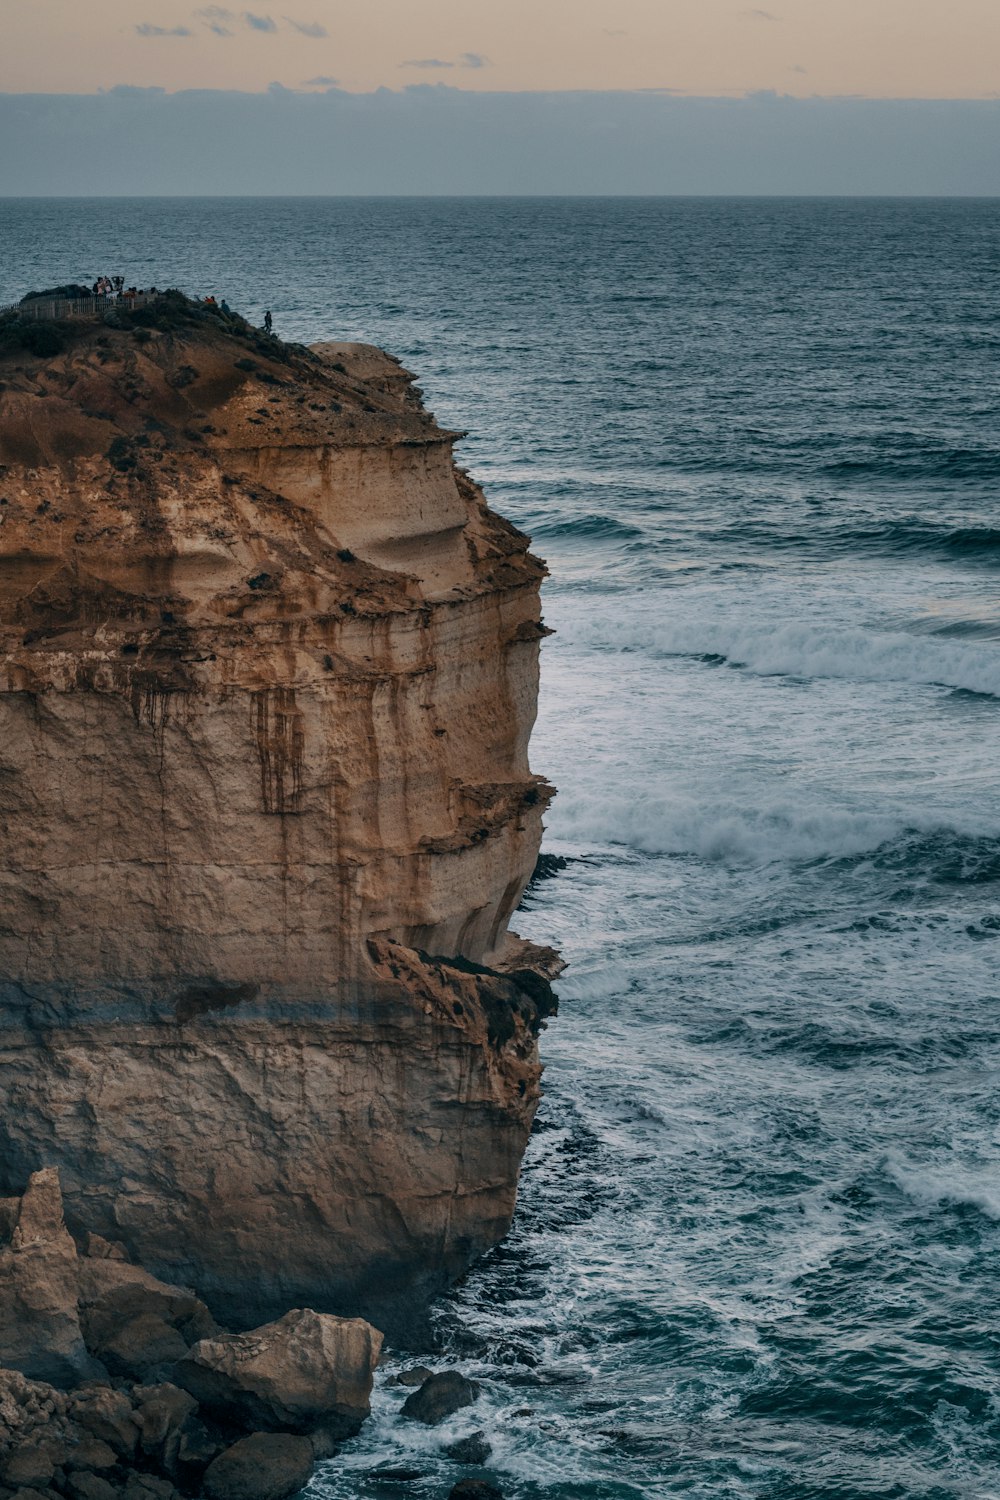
column 669, row 823
column 795, row 649
column 952, row 1186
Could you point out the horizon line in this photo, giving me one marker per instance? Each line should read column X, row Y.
column 662, row 91
column 501, row 197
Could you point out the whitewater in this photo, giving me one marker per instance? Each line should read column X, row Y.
column 757, row 1248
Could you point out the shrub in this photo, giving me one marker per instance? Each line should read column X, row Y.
column 43, row 339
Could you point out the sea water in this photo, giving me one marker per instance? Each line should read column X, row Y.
column 757, row 1248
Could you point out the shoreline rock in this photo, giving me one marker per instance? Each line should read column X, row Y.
column 186, row 1425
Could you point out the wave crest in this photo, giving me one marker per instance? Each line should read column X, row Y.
column 776, row 831
column 796, row 649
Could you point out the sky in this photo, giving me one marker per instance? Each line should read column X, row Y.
column 891, row 49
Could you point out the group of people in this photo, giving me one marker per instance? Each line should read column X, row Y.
column 114, row 286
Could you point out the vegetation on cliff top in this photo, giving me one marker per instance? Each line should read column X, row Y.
column 172, row 310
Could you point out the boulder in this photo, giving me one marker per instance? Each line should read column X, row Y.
column 40, row 1332
column 474, row 1489
column 106, row 1414
column 31, row 1412
column 31, row 1464
column 306, row 1372
column 474, row 1449
column 98, row 1248
column 148, row 1487
column 86, row 1486
column 138, row 1321
column 439, row 1397
column 197, row 1446
column 162, row 1414
column 91, row 1453
column 144, row 1344
column 413, row 1377
column 265, row 1466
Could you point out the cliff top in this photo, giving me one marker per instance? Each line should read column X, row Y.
column 199, row 377
column 172, row 466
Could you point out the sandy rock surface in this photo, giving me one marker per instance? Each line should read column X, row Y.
column 268, row 668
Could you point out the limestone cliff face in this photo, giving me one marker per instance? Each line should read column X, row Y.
column 268, row 673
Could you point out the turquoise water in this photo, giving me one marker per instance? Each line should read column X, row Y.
column 756, row 1252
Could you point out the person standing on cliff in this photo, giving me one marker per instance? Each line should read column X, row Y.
column 268, row 323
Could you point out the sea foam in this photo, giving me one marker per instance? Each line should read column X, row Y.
column 798, row 649
column 946, row 1186
column 724, row 829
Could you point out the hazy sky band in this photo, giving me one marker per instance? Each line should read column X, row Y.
column 454, row 142
column 931, row 49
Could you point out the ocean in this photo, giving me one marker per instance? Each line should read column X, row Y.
column 757, row 1249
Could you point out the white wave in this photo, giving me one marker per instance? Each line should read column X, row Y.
column 952, row 1185
column 799, row 649
column 668, row 823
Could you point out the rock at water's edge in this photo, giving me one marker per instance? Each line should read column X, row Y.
column 308, row 1371
column 264, row 1466
column 439, row 1397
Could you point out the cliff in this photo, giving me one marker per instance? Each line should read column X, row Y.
column 268, row 668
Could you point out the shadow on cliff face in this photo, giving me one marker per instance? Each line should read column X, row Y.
column 201, row 1000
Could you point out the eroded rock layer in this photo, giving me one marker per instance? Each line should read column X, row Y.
column 268, row 673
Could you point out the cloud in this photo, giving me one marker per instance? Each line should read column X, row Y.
column 215, row 17
column 322, row 82
column 307, row 28
column 146, row 29
column 761, row 15
column 798, row 68
column 259, row 23
column 467, row 60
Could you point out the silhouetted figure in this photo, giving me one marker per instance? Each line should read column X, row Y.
column 268, row 323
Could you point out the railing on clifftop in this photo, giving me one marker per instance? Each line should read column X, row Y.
column 54, row 309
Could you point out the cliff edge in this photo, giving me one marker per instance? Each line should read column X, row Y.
column 268, row 669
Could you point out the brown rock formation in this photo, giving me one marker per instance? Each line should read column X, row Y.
column 304, row 1373
column 268, row 668
column 185, row 1393
column 40, row 1328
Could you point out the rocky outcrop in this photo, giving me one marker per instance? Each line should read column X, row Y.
column 40, row 1331
column 265, row 1466
column 440, row 1396
column 268, row 668
column 147, row 1393
column 308, row 1372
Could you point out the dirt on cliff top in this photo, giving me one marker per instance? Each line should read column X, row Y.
column 141, row 464
column 197, row 378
